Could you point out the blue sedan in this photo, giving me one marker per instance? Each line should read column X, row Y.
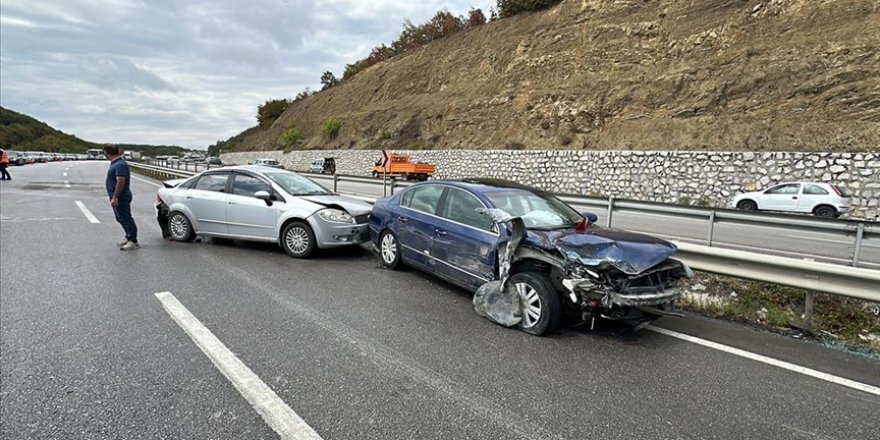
column 563, row 264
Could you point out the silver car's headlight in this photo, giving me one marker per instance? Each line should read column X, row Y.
column 335, row 216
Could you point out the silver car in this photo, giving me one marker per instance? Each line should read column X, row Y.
column 261, row 204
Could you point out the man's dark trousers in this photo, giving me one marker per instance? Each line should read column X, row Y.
column 123, row 216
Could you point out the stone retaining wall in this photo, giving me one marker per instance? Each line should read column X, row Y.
column 690, row 177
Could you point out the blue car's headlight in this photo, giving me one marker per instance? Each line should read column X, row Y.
column 335, row 216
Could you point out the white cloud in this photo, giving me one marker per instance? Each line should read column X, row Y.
column 182, row 72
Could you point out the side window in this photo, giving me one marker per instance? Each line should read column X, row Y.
column 424, row 198
column 212, row 182
column 814, row 190
column 789, row 188
column 461, row 207
column 245, row 185
column 188, row 184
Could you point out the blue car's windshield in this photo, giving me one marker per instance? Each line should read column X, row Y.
column 297, row 185
column 538, row 210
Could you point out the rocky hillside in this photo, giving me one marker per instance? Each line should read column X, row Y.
column 605, row 74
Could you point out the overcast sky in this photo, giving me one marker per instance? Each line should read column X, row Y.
column 187, row 72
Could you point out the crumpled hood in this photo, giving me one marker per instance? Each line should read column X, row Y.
column 629, row 252
column 352, row 206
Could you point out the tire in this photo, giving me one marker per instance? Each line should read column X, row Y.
column 298, row 240
column 825, row 211
column 747, row 205
column 180, row 227
column 389, row 250
column 535, row 290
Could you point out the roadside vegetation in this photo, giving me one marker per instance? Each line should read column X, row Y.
column 835, row 319
column 23, row 133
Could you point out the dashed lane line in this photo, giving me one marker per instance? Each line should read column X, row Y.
column 280, row 417
column 769, row 361
column 91, row 217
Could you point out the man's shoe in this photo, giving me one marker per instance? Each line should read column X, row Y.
column 122, row 243
column 129, row 246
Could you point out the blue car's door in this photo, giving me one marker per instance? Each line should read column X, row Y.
column 465, row 241
column 416, row 219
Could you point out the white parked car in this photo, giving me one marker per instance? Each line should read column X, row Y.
column 820, row 199
column 261, row 204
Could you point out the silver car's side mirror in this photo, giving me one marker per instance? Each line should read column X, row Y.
column 265, row 196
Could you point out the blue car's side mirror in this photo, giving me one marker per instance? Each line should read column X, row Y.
column 591, row 218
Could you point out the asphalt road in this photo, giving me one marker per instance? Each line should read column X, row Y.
column 88, row 351
column 818, row 246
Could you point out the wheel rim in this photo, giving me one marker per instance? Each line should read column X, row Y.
column 825, row 212
column 748, row 206
column 297, row 239
column 179, row 226
column 389, row 249
column 531, row 304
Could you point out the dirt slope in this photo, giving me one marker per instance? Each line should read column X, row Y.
column 638, row 74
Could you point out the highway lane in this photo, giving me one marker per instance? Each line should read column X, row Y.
column 356, row 351
column 818, row 246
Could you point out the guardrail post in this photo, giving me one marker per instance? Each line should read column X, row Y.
column 857, row 250
column 711, row 228
column 808, row 311
column 335, row 183
column 610, row 212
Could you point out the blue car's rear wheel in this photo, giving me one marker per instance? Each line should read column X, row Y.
column 389, row 250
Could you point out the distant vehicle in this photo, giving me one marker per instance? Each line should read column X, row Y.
column 94, row 154
column 267, row 163
column 817, row 198
column 261, row 204
column 17, row 158
column 400, row 165
column 326, row 165
column 214, row 160
column 497, row 235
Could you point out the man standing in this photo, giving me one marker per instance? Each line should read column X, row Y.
column 4, row 162
column 118, row 188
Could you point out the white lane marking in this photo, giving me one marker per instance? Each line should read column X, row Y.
column 87, row 213
column 274, row 411
column 145, row 181
column 67, row 184
column 64, row 174
column 770, row 361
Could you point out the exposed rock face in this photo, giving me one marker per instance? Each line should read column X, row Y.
column 731, row 75
column 663, row 176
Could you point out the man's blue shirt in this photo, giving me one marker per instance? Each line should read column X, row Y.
column 119, row 168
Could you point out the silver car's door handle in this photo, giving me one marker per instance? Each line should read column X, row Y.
column 231, row 203
column 188, row 197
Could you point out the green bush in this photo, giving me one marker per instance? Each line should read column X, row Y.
column 330, row 128
column 293, row 136
column 507, row 8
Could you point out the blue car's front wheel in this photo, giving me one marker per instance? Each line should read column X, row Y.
column 539, row 302
column 389, row 250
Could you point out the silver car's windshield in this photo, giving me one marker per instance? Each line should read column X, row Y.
column 538, row 211
column 297, row 185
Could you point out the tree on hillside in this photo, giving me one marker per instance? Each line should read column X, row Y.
column 507, row 8
column 475, row 18
column 328, row 79
column 271, row 110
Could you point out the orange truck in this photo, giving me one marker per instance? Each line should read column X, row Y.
column 402, row 166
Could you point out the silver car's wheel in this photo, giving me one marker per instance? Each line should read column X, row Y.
column 531, row 304
column 180, row 227
column 298, row 240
